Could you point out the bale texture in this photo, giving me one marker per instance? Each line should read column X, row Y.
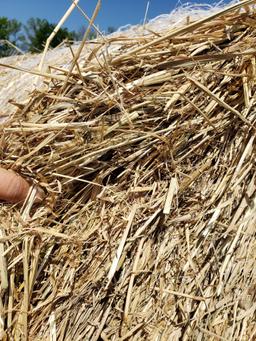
column 146, row 154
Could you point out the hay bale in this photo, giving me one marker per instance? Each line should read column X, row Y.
column 146, row 155
column 16, row 85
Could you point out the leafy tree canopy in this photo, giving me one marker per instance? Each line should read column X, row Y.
column 38, row 30
column 32, row 36
column 9, row 31
column 111, row 29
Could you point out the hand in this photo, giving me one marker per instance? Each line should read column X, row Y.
column 13, row 188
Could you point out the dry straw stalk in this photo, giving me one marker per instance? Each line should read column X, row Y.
column 146, row 153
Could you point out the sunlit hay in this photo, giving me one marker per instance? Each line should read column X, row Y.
column 147, row 160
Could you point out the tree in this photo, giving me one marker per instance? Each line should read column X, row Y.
column 80, row 34
column 10, row 31
column 38, row 30
column 111, row 29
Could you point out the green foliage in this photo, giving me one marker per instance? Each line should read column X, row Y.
column 111, row 29
column 80, row 34
column 36, row 33
column 38, row 30
column 92, row 34
column 9, row 31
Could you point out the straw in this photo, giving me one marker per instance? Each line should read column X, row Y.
column 145, row 150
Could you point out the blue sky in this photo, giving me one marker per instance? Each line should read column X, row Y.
column 113, row 12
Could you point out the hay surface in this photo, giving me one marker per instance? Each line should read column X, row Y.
column 16, row 86
column 146, row 154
